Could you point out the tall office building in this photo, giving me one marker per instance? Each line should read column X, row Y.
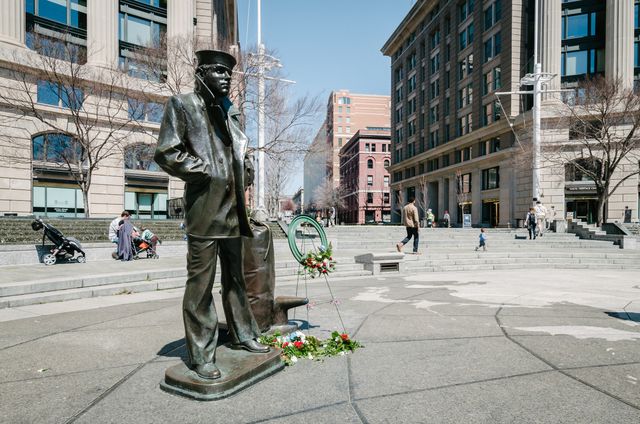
column 348, row 113
column 448, row 60
column 100, row 38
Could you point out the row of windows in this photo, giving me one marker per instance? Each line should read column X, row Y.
column 60, row 95
column 63, row 148
column 371, row 163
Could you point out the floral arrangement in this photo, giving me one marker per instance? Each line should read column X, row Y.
column 319, row 263
column 298, row 345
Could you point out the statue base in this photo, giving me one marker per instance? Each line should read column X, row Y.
column 240, row 369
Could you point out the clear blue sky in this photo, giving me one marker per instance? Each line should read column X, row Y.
column 326, row 45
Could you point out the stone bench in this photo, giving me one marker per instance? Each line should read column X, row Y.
column 383, row 262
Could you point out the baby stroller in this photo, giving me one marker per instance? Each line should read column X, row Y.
column 141, row 245
column 65, row 247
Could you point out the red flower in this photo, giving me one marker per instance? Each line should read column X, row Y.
column 298, row 344
column 285, row 344
column 345, row 337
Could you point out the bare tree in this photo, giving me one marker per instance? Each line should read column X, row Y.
column 603, row 119
column 327, row 196
column 422, row 196
column 400, row 203
column 280, row 172
column 90, row 123
column 462, row 192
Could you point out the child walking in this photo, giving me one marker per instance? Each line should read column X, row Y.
column 483, row 241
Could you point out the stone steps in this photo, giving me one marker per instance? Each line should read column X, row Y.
column 12, row 291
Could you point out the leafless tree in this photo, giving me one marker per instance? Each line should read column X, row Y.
column 400, row 201
column 280, row 172
column 462, row 192
column 327, row 196
column 422, row 196
column 90, row 122
column 603, row 118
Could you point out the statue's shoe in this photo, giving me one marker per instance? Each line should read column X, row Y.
column 251, row 345
column 208, row 371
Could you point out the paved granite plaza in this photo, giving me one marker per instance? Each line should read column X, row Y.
column 493, row 346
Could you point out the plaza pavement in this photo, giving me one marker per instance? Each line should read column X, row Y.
column 541, row 345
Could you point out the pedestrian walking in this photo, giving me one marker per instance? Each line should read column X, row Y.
column 541, row 217
column 447, row 219
column 531, row 223
column 483, row 240
column 332, row 217
column 411, row 220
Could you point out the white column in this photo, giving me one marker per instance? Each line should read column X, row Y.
column 180, row 14
column 551, row 39
column 619, row 42
column 13, row 22
column 102, row 33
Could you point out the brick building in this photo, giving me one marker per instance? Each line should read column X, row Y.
column 364, row 178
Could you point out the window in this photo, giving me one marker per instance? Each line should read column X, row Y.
column 465, row 67
column 465, row 9
column 387, row 163
column 140, row 157
column 465, row 96
column 57, row 147
column 57, row 28
column 434, row 139
column 492, row 14
column 373, row 147
column 582, row 62
column 582, row 169
column 411, row 84
column 434, row 114
column 370, row 164
column 145, row 111
column 370, row 180
column 492, row 47
column 434, row 39
column 58, row 95
column 491, row 178
column 582, row 25
column 399, row 75
column 489, row 146
column 434, row 89
column 141, row 27
column 344, row 101
column 465, row 124
column 411, row 62
column 386, row 180
column 466, row 36
column 369, row 197
column 435, row 63
column 464, row 184
column 385, row 196
column 491, row 113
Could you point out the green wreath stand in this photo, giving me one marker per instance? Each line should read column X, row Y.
column 296, row 223
column 293, row 228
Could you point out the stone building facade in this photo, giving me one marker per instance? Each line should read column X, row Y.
column 109, row 34
column 448, row 61
column 364, row 178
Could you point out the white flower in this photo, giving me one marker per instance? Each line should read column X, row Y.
column 294, row 359
column 337, row 339
column 341, row 353
column 310, row 356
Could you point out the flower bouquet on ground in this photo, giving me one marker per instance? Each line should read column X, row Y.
column 297, row 345
column 319, row 263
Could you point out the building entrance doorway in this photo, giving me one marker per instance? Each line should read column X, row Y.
column 491, row 212
column 583, row 209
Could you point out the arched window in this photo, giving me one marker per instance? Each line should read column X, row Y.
column 56, row 147
column 387, row 163
column 582, row 169
column 140, row 157
column 370, row 164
